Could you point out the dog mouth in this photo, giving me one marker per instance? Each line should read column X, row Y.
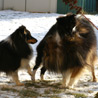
column 31, row 41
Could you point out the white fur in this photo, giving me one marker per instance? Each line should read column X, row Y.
column 74, row 29
column 57, row 38
column 25, row 62
column 66, row 78
column 73, row 81
column 9, row 40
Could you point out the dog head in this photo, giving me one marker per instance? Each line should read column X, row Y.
column 25, row 34
column 67, row 23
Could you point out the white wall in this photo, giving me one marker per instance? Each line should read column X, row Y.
column 31, row 5
column 53, row 6
column 41, row 5
column 1, row 4
column 38, row 5
column 14, row 4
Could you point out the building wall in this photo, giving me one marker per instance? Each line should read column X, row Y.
column 14, row 4
column 53, row 6
column 1, row 4
column 38, row 5
column 31, row 5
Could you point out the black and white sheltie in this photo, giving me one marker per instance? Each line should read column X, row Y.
column 15, row 53
column 68, row 48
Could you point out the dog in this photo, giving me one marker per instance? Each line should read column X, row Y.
column 68, row 48
column 15, row 53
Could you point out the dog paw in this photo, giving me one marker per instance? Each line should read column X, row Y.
column 71, row 87
column 63, row 87
column 20, row 84
column 95, row 80
column 66, row 87
column 42, row 77
column 33, row 79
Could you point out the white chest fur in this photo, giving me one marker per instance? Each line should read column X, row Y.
column 25, row 63
column 57, row 38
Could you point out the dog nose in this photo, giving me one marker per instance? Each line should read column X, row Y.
column 32, row 40
column 35, row 40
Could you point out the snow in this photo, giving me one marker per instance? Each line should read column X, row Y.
column 39, row 24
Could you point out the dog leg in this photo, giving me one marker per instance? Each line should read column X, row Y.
column 66, row 78
column 33, row 76
column 73, row 81
column 29, row 71
column 43, row 70
column 75, row 76
column 15, row 78
column 92, row 69
column 93, row 74
column 38, row 62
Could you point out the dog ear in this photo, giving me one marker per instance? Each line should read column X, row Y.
column 71, row 14
column 60, row 19
column 23, row 29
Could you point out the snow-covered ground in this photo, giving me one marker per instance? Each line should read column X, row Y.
column 39, row 24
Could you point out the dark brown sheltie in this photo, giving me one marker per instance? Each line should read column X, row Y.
column 68, row 48
column 15, row 53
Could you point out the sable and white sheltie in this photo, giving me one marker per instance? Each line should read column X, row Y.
column 68, row 48
column 15, row 53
